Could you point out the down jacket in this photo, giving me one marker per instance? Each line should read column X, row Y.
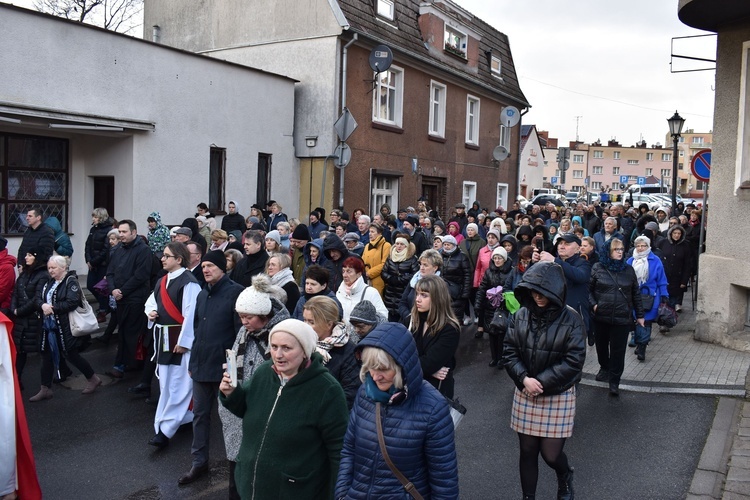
column 397, row 276
column 615, row 294
column 97, row 246
column 494, row 276
column 550, row 344
column 678, row 261
column 457, row 272
column 28, row 323
column 417, row 429
column 375, row 255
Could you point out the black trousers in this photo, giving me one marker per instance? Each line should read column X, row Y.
column 131, row 323
column 611, row 345
column 75, row 359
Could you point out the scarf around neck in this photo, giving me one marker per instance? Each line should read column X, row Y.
column 640, row 265
column 282, row 277
column 339, row 338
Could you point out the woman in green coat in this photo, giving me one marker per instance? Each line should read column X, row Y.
column 294, row 417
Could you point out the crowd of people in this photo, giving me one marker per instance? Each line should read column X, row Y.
column 338, row 324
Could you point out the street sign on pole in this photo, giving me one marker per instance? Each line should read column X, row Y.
column 553, row 181
column 345, row 125
column 701, row 165
column 641, row 181
column 623, row 179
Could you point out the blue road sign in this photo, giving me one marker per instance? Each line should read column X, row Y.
column 701, row 165
column 586, row 181
column 553, row 180
column 641, row 181
column 623, row 179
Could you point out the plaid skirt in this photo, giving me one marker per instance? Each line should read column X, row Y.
column 544, row 416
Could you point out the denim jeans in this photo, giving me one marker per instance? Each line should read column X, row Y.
column 643, row 333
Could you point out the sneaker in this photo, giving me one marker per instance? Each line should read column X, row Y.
column 467, row 321
column 678, row 308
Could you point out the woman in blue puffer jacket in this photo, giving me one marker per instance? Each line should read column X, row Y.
column 412, row 411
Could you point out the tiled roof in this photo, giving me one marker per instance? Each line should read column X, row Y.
column 525, row 132
column 361, row 17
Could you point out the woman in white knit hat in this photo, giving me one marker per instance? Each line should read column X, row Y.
column 290, row 399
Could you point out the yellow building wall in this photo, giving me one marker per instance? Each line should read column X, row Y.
column 311, row 186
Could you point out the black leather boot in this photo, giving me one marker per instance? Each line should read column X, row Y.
column 614, row 388
column 640, row 352
column 565, row 485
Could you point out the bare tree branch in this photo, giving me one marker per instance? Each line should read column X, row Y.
column 116, row 15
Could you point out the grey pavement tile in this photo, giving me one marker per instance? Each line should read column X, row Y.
column 704, row 483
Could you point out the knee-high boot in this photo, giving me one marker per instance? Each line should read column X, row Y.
column 565, row 485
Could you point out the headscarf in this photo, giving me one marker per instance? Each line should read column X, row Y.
column 640, row 260
column 614, row 265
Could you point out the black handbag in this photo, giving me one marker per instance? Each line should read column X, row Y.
column 499, row 323
column 647, row 300
column 667, row 315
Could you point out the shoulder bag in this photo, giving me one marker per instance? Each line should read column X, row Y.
column 82, row 319
column 408, row 485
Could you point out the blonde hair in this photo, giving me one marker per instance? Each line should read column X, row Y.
column 440, row 313
column 323, row 309
column 374, row 358
column 284, row 261
column 219, row 234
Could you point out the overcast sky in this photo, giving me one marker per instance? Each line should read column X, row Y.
column 605, row 61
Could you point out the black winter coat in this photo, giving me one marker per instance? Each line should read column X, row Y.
column 436, row 351
column 66, row 297
column 344, row 367
column 233, row 222
column 216, row 326
column 129, row 270
column 549, row 345
column 97, row 245
column 615, row 294
column 248, row 267
column 457, row 272
column 678, row 262
column 333, row 242
column 27, row 326
column 493, row 276
column 40, row 241
column 396, row 276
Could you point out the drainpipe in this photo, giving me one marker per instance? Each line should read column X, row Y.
column 344, row 64
column 518, row 160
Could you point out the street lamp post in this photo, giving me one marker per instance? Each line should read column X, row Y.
column 675, row 128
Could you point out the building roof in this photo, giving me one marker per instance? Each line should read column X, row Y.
column 406, row 37
column 525, row 132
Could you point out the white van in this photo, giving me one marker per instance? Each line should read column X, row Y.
column 538, row 191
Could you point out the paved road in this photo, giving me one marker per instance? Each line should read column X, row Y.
column 640, row 446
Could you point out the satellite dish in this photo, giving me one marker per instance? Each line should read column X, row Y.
column 381, row 58
column 510, row 116
column 500, row 153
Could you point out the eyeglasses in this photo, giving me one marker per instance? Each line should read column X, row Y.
column 166, row 256
column 618, row 249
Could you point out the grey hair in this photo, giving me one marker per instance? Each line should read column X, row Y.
column 374, row 358
column 59, row 261
column 365, row 218
column 100, row 213
column 612, row 219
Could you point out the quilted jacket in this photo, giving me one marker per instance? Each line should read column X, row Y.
column 418, row 433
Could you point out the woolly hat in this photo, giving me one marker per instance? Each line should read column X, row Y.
column 471, row 225
column 301, row 331
column 201, row 219
column 653, row 226
column 449, row 239
column 643, row 239
column 413, row 220
column 501, row 252
column 301, row 233
column 184, row 230
column 364, row 312
column 495, row 232
column 275, row 236
column 217, row 258
column 256, row 299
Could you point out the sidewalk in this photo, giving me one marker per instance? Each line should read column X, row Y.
column 676, row 363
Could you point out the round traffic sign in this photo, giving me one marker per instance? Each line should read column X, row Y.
column 510, row 116
column 343, row 154
column 701, row 165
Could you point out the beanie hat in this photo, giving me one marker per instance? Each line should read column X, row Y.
column 471, row 225
column 494, row 232
column 275, row 236
column 364, row 312
column 413, row 220
column 448, row 238
column 653, row 226
column 301, row 331
column 501, row 252
column 217, row 258
column 301, row 233
column 256, row 299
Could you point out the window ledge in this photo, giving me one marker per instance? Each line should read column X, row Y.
column 387, row 127
column 436, row 138
column 469, row 145
column 463, row 58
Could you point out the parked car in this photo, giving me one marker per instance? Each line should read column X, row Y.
column 522, row 201
column 652, row 202
column 543, row 199
column 571, row 196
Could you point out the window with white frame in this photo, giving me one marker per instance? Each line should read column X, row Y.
column 596, row 185
column 496, row 66
column 437, row 109
column 598, row 154
column 557, row 172
column 504, row 136
column 502, row 195
column 455, row 41
column 632, row 162
column 666, row 172
column 697, row 139
column 649, row 171
column 384, row 190
column 615, row 185
column 666, row 157
column 386, row 9
column 616, row 155
column 578, row 174
column 649, row 156
column 598, row 170
column 469, row 194
column 472, row 120
column 577, row 158
column 387, row 105
column 615, row 170
column 742, row 155
column 682, row 154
